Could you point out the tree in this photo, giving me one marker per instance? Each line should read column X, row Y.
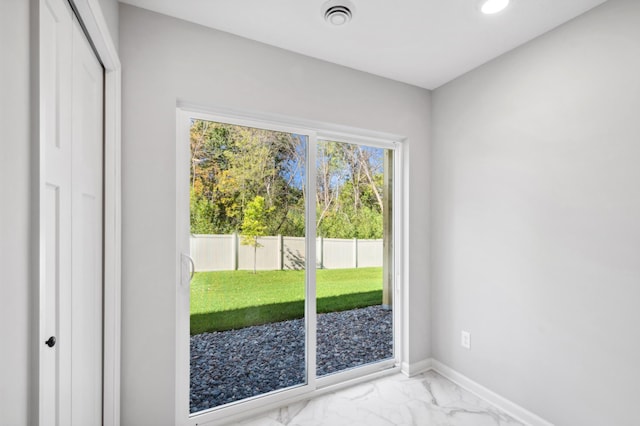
column 331, row 174
column 232, row 165
column 254, row 225
column 349, row 190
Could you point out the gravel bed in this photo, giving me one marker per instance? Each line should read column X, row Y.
column 232, row 365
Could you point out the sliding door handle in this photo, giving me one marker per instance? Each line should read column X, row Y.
column 193, row 268
column 188, row 270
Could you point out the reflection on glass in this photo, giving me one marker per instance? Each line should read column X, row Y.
column 354, row 277
column 247, row 206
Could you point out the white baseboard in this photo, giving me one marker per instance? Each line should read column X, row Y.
column 412, row 369
column 514, row 410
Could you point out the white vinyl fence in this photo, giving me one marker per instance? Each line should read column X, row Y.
column 226, row 253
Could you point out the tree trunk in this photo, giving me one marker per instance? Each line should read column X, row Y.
column 368, row 174
column 255, row 253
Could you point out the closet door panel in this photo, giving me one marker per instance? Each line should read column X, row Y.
column 70, row 222
column 55, row 210
column 86, row 230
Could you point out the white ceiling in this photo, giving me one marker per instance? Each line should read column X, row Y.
column 421, row 42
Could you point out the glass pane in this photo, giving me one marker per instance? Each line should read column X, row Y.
column 354, row 283
column 247, row 204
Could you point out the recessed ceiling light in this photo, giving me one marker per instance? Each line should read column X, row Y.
column 490, row 7
column 337, row 12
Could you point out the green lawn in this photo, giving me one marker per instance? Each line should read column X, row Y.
column 228, row 300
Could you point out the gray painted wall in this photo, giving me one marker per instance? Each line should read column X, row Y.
column 165, row 60
column 14, row 211
column 536, row 221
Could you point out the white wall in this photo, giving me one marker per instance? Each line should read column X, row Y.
column 166, row 60
column 14, row 211
column 536, row 221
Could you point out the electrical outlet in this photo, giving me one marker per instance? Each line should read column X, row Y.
column 465, row 339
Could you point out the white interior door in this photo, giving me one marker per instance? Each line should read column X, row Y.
column 55, row 204
column 86, row 232
column 71, row 222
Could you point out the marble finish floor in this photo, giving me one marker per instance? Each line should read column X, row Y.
column 427, row 399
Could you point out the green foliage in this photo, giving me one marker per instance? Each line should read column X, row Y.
column 201, row 215
column 364, row 223
column 254, row 224
column 347, row 203
column 227, row 300
column 233, row 165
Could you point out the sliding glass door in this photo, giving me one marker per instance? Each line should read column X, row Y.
column 248, row 230
column 354, row 279
column 286, row 251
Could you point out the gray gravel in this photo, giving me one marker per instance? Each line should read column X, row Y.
column 232, row 365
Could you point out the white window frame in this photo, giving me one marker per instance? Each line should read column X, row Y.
column 314, row 386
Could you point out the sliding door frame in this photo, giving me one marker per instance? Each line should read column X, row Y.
column 314, row 386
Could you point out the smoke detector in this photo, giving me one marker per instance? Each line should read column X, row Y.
column 337, row 12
